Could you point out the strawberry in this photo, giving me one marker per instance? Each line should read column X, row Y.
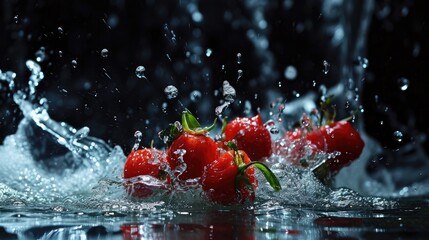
column 142, row 170
column 189, row 147
column 194, row 150
column 337, row 138
column 251, row 136
column 231, row 178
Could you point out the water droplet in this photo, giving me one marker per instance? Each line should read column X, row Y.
column 238, row 58
column 171, row 91
column 197, row 16
column 60, row 30
column 398, row 136
column 16, row 18
column 104, row 52
column 40, row 55
column 247, row 107
column 274, row 130
column 347, row 104
column 74, row 63
column 195, row 96
column 326, row 67
column 208, row 52
column 403, row 83
column 228, row 92
column 219, row 109
column 239, row 74
column 138, row 138
column 140, row 72
column 164, row 107
column 60, row 53
column 363, row 62
column 290, row 72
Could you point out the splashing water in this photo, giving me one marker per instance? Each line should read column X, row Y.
column 52, row 160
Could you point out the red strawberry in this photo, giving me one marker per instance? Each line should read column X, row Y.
column 190, row 147
column 219, row 181
column 338, row 138
column 146, row 162
column 251, row 136
column 195, row 150
column 231, row 180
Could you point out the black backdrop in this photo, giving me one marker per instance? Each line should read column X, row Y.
column 104, row 93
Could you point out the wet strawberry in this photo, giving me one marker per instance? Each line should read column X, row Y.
column 189, row 147
column 337, row 138
column 251, row 136
column 219, row 181
column 144, row 172
column 231, row 178
column 195, row 150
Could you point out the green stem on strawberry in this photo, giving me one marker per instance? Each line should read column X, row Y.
column 242, row 167
column 189, row 124
column 266, row 171
column 329, row 116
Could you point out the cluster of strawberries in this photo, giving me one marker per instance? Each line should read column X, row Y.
column 225, row 168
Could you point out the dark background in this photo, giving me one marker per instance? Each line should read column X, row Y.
column 104, row 93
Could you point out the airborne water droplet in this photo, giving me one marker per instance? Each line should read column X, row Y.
column 195, row 95
column 138, row 138
column 171, row 91
column 326, row 67
column 290, row 72
column 104, row 52
column 40, row 55
column 363, row 62
column 140, row 72
column 208, row 52
column 398, row 136
column 74, row 63
column 228, row 92
column 239, row 74
column 403, row 83
column 238, row 58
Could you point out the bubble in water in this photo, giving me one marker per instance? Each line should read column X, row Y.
column 140, row 72
column 60, row 53
column 60, row 30
column 171, row 91
column 326, row 67
column 290, row 72
column 104, row 52
column 361, row 61
column 40, row 55
column 208, row 52
column 228, row 92
column 195, row 95
column 138, row 138
column 239, row 58
column 403, row 83
column 74, row 63
column 398, row 135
